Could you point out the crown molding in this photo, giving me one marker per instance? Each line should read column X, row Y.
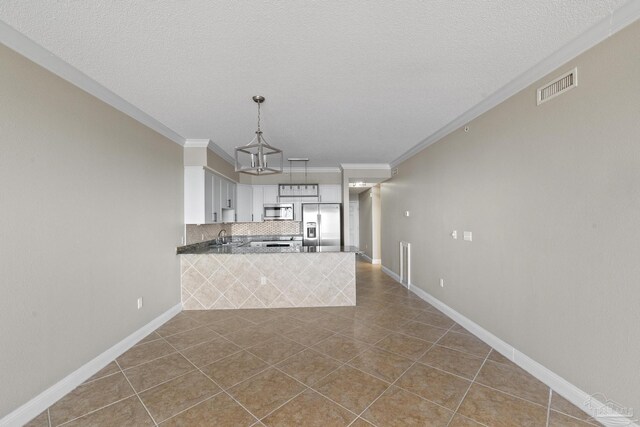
column 608, row 26
column 196, row 143
column 28, row 48
column 360, row 166
column 312, row 169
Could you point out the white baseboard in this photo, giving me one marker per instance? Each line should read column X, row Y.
column 366, row 257
column 564, row 388
column 391, row 274
column 376, row 261
column 35, row 406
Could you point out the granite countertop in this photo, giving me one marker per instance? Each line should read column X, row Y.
column 241, row 246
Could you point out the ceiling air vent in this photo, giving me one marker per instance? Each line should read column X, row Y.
column 558, row 86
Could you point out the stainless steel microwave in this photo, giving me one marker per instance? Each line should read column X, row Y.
column 278, row 212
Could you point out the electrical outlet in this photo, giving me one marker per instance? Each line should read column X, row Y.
column 263, row 280
column 441, row 282
column 468, row 236
column 407, row 213
column 139, row 303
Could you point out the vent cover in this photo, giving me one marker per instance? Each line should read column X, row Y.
column 558, row 86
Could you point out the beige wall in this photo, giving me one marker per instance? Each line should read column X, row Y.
column 552, row 196
column 90, row 216
column 221, row 166
column 195, row 156
column 202, row 156
column 364, row 219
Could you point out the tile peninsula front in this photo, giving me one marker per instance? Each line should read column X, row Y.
column 253, row 279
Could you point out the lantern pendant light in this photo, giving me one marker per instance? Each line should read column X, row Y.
column 258, row 157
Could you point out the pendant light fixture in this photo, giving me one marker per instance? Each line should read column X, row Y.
column 258, row 157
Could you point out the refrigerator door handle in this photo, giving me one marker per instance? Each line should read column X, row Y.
column 319, row 229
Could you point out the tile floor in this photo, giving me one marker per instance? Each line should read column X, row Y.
column 393, row 360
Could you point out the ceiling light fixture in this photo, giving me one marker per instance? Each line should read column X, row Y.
column 258, row 157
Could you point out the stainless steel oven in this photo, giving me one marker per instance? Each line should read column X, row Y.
column 278, row 212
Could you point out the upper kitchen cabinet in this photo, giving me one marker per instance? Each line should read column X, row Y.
column 227, row 193
column 270, row 194
column 330, row 193
column 244, row 203
column 199, row 186
column 208, row 197
column 257, row 214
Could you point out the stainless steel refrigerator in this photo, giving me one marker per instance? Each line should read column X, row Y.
column 322, row 224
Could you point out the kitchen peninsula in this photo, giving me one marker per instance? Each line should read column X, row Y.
column 239, row 275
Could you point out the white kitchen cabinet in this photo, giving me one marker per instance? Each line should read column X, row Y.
column 270, row 194
column 226, row 198
column 330, row 193
column 216, row 203
column 199, row 191
column 227, row 193
column 258, row 203
column 208, row 197
column 244, row 203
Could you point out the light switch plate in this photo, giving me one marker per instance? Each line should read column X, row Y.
column 454, row 234
column 468, row 236
column 407, row 213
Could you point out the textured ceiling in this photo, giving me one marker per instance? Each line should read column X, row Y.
column 345, row 81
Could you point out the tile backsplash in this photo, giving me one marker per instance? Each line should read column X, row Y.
column 203, row 232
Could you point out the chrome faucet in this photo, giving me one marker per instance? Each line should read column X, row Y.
column 221, row 235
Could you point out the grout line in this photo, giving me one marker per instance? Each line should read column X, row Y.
column 163, row 382
column 473, row 381
column 137, row 395
column 95, row 410
column 444, row 371
column 470, row 419
column 222, row 389
column 400, row 376
column 289, row 400
column 388, row 387
column 100, row 378
column 143, row 363
column 310, row 387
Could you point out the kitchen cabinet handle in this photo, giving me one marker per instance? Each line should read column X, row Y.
column 215, row 217
column 251, row 217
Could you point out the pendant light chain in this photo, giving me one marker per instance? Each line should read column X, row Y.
column 258, row 117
